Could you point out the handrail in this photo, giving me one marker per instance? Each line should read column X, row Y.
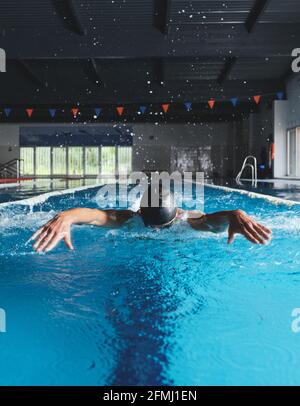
column 253, row 170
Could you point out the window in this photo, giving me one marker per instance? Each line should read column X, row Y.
column 27, row 165
column 75, row 159
column 59, row 161
column 108, row 160
column 124, row 160
column 42, row 161
column 91, row 161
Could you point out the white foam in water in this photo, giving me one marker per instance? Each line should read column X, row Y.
column 25, row 221
column 32, row 220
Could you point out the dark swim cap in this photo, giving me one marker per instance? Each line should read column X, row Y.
column 159, row 212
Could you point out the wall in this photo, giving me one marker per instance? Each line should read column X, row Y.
column 286, row 116
column 261, row 130
column 220, row 147
column 216, row 148
column 9, row 142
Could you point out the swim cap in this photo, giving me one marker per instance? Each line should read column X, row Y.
column 159, row 210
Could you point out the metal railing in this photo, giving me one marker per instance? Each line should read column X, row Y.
column 253, row 167
column 11, row 169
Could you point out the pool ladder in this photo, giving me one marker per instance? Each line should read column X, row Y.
column 253, row 167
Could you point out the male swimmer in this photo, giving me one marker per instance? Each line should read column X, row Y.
column 164, row 214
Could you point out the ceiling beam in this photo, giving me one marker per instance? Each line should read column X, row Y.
column 227, row 69
column 256, row 11
column 214, row 40
column 162, row 15
column 67, row 12
column 27, row 71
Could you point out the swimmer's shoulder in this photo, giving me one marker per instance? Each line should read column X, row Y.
column 185, row 215
column 120, row 216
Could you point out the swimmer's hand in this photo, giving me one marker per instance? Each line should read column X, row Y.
column 57, row 229
column 241, row 223
column 237, row 222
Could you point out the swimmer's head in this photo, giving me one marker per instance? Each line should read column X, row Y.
column 158, row 207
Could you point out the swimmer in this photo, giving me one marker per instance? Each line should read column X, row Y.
column 163, row 215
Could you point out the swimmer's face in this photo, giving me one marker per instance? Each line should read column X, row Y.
column 167, row 225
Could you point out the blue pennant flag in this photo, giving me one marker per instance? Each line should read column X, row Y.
column 52, row 112
column 188, row 106
column 143, row 109
column 97, row 111
column 7, row 112
column 234, row 101
column 280, row 95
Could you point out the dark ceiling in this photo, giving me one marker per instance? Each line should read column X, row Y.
column 145, row 51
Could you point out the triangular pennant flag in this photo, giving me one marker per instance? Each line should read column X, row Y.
column 52, row 112
column 120, row 110
column 280, row 95
column 7, row 112
column 29, row 112
column 211, row 103
column 74, row 111
column 257, row 99
column 234, row 101
column 143, row 109
column 97, row 111
column 188, row 106
column 165, row 107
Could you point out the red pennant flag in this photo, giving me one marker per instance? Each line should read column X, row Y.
column 29, row 112
column 165, row 107
column 211, row 103
column 257, row 99
column 74, row 111
column 120, row 110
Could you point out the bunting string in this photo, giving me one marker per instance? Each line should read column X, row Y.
column 121, row 109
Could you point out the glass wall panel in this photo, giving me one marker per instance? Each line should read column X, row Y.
column 27, row 165
column 81, row 160
column 42, row 161
column 75, row 161
column 59, row 156
column 91, row 161
column 124, row 160
column 108, row 160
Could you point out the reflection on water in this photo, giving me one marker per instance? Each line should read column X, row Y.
column 29, row 189
column 277, row 188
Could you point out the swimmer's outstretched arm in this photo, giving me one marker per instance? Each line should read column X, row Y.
column 59, row 228
column 237, row 222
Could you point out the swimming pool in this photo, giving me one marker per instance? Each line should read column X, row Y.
column 281, row 188
column 140, row 307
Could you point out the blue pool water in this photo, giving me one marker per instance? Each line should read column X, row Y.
column 28, row 189
column 145, row 307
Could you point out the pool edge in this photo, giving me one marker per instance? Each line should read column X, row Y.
column 45, row 196
column 254, row 195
